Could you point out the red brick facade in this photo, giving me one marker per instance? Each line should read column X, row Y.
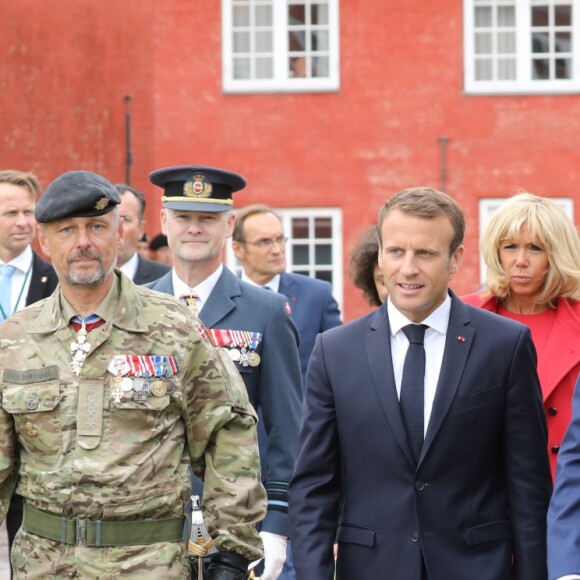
column 67, row 67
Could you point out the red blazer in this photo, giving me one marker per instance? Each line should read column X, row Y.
column 558, row 368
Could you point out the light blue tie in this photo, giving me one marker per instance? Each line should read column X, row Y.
column 6, row 272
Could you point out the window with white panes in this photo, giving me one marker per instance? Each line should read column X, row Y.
column 314, row 246
column 521, row 46
column 280, row 45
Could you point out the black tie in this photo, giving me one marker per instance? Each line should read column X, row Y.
column 412, row 387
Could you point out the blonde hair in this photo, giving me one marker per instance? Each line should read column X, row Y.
column 552, row 229
column 23, row 179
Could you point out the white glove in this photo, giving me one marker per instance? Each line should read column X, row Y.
column 274, row 554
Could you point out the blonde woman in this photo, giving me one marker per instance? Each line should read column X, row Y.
column 532, row 252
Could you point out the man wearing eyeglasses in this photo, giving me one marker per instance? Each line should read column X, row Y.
column 259, row 244
column 251, row 325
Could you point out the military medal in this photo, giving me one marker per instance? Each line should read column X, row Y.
column 79, row 349
column 126, row 384
column 139, row 397
column 158, row 388
column 117, row 394
column 240, row 345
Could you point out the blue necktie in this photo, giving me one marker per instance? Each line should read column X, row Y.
column 413, row 387
column 6, row 272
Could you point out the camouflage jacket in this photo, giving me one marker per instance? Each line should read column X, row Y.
column 84, row 450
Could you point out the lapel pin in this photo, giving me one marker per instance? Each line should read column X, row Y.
column 461, row 338
column 44, row 279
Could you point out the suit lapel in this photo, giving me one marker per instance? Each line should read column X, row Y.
column 164, row 284
column 378, row 346
column 38, row 281
column 220, row 302
column 457, row 347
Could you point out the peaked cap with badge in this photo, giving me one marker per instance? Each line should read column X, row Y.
column 197, row 188
column 76, row 194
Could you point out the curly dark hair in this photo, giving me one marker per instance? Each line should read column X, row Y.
column 363, row 260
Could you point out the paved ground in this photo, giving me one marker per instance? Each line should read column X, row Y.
column 4, row 567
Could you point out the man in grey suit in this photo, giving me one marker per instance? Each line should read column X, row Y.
column 132, row 212
column 251, row 324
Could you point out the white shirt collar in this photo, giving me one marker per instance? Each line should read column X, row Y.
column 129, row 268
column 273, row 284
column 438, row 320
column 203, row 290
column 23, row 261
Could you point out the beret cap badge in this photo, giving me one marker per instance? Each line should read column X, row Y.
column 102, row 203
column 197, row 186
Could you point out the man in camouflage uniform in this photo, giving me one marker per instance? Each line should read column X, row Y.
column 107, row 420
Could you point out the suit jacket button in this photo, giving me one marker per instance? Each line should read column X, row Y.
column 552, row 411
column 419, row 485
column 556, row 449
column 415, row 537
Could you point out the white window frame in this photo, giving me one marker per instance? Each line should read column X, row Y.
column 286, row 215
column 523, row 84
column 488, row 207
column 281, row 81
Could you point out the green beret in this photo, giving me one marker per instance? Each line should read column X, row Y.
column 197, row 187
column 76, row 194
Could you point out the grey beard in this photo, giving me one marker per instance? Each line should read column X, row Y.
column 92, row 280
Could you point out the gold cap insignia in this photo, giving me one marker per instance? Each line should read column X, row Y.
column 102, row 203
column 197, row 186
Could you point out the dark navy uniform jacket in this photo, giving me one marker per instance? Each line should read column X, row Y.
column 274, row 386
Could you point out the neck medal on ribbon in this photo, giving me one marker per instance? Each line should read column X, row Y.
column 81, row 348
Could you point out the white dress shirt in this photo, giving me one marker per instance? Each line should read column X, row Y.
column 273, row 284
column 129, row 268
column 203, row 290
column 20, row 281
column 435, row 336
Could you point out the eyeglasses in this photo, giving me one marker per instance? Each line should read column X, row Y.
column 267, row 243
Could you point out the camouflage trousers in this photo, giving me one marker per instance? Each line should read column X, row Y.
column 37, row 558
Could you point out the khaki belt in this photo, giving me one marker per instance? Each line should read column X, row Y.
column 91, row 533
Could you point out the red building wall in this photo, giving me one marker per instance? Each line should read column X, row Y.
column 69, row 67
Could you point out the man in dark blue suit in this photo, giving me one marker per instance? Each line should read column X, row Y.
column 259, row 243
column 252, row 325
column 564, row 512
column 425, row 457
column 129, row 261
column 32, row 279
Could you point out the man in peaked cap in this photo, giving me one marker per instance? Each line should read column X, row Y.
column 251, row 324
column 108, row 392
